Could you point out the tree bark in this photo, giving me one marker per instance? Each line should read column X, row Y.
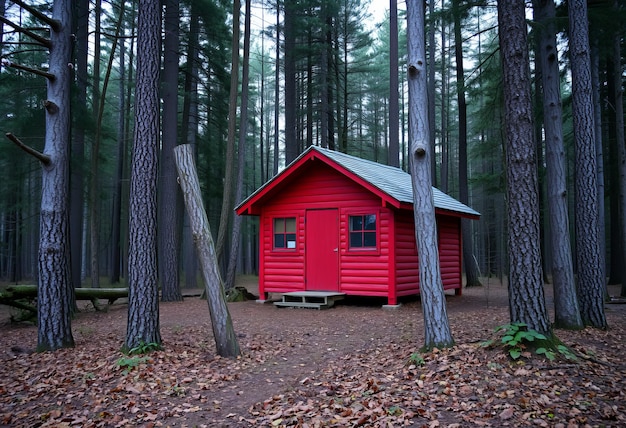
column 143, row 293
column 223, row 331
column 590, row 261
column 229, row 173
column 526, row 297
column 241, row 156
column 566, row 310
column 169, row 197
column 55, row 289
column 436, row 327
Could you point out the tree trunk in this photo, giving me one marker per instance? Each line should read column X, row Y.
column 241, row 161
column 55, row 289
column 190, row 131
column 143, row 293
column 526, row 298
column 567, row 313
column 432, row 25
column 436, row 327
column 169, row 201
column 77, row 182
column 394, row 105
column 229, row 173
column 291, row 145
column 590, row 261
column 94, row 185
column 223, row 331
column 276, row 92
column 116, row 217
column 471, row 272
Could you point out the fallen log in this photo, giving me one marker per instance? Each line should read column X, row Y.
column 12, row 295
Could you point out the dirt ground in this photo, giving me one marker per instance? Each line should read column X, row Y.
column 352, row 365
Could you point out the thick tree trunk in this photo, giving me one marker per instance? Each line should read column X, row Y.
column 436, row 327
column 223, row 331
column 526, row 297
column 143, row 293
column 590, row 261
column 169, row 201
column 567, row 313
column 55, row 289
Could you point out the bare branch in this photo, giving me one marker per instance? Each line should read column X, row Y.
column 7, row 63
column 53, row 23
column 41, row 40
column 44, row 159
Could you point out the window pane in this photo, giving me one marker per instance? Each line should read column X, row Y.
column 279, row 241
column 279, row 225
column 290, row 225
column 291, row 240
column 369, row 239
column 370, row 222
column 356, row 239
column 356, row 222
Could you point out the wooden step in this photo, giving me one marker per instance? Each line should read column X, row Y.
column 310, row 299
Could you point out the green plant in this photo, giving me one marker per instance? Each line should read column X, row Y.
column 517, row 337
column 417, row 359
column 130, row 363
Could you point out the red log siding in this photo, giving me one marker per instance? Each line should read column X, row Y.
column 406, row 262
column 450, row 251
column 362, row 272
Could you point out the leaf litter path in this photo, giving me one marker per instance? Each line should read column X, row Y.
column 344, row 367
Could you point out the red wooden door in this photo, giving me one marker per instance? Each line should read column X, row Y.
column 322, row 250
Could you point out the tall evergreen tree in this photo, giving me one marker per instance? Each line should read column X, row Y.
column 55, row 299
column 526, row 297
column 436, row 326
column 590, row 260
column 143, row 293
column 566, row 310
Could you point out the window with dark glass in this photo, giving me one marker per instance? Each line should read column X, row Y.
column 363, row 231
column 285, row 233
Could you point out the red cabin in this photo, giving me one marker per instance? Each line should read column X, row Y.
column 337, row 223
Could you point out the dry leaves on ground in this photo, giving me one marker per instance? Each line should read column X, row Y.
column 353, row 365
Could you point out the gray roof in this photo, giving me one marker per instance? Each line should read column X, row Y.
column 391, row 180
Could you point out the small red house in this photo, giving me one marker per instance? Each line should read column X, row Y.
column 334, row 222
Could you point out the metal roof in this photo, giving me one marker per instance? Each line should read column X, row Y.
column 391, row 180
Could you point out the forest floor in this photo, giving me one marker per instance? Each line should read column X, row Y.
column 353, row 365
